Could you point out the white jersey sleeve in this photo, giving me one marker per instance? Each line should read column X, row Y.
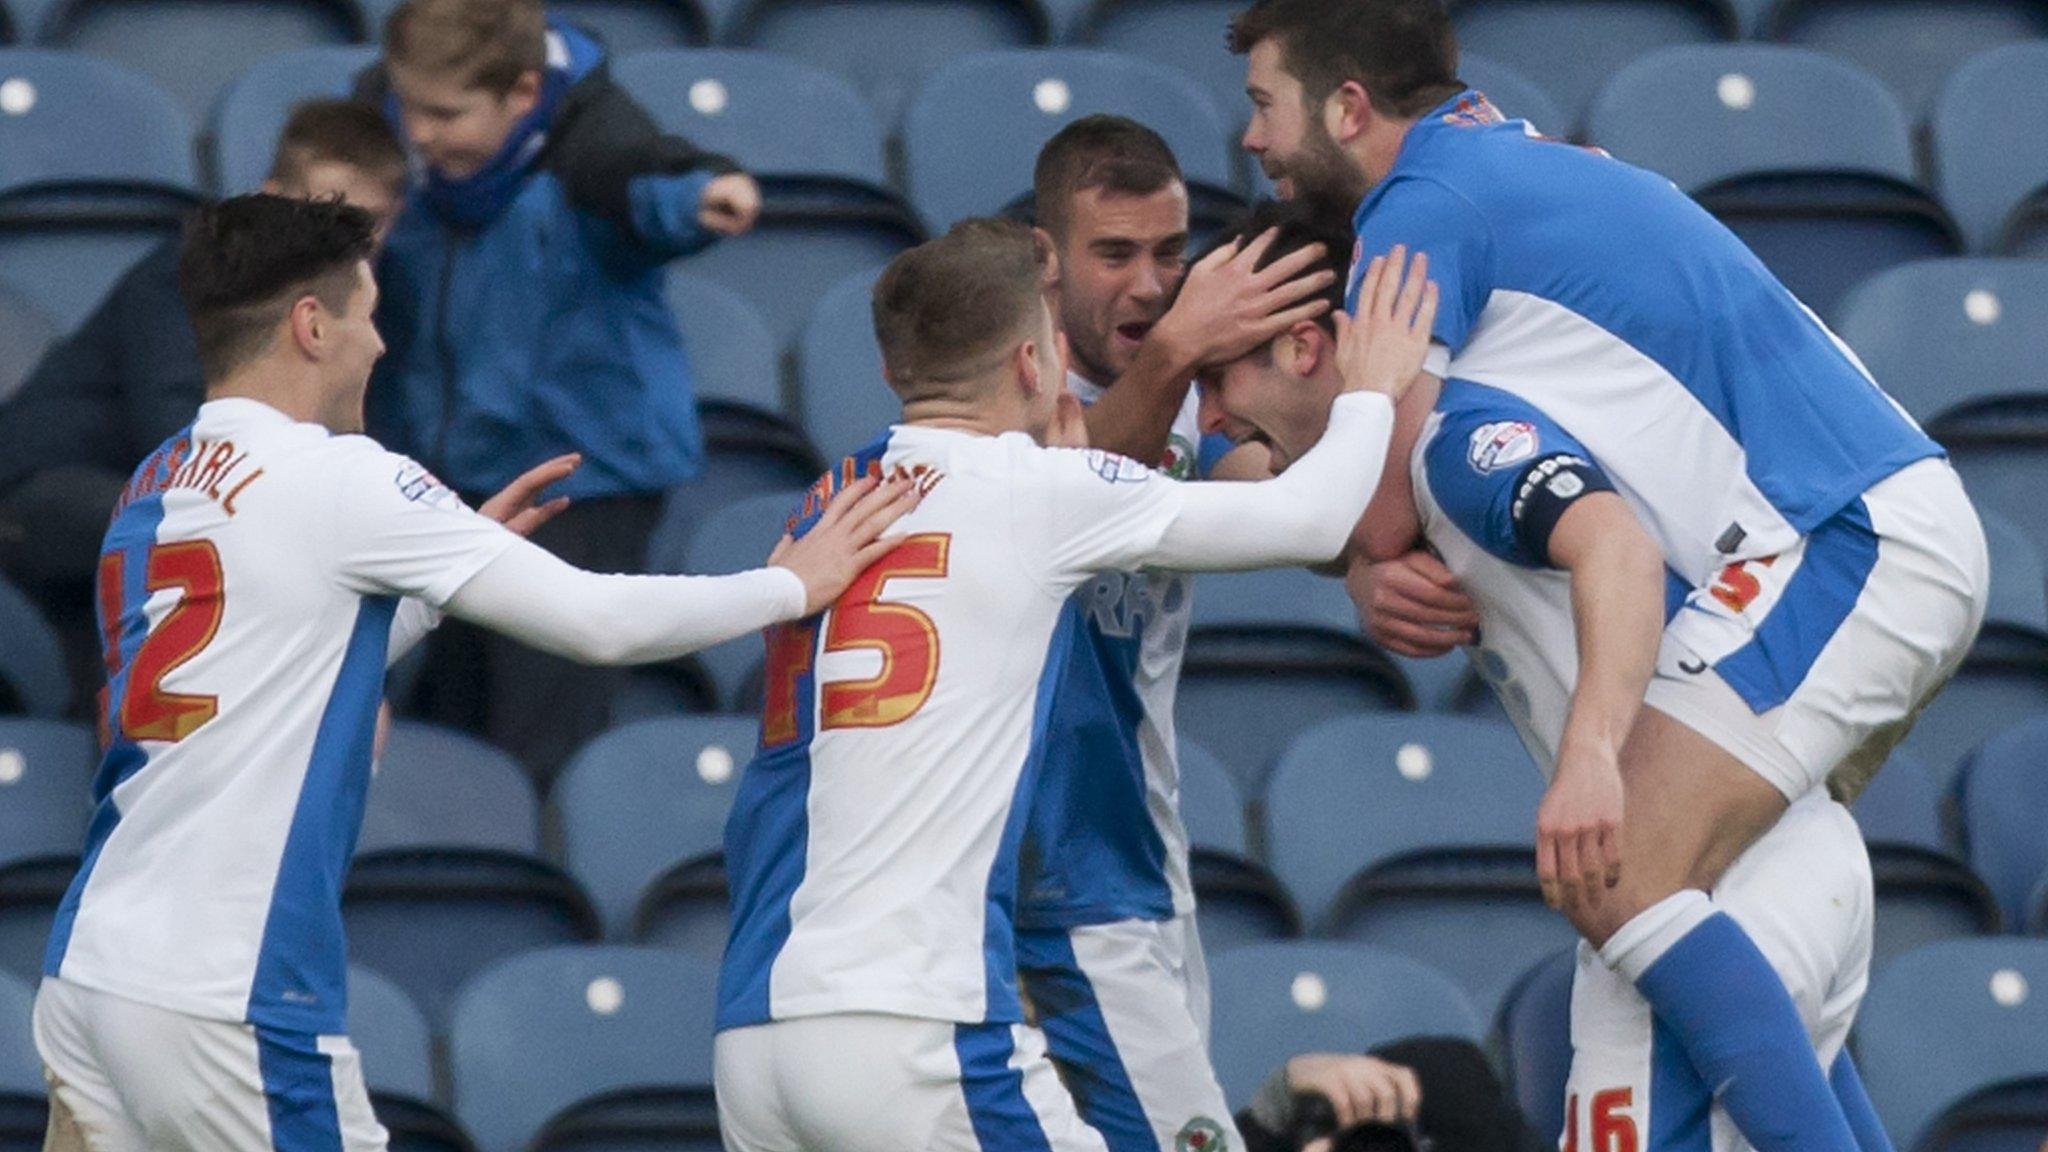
column 1087, row 511
column 396, row 530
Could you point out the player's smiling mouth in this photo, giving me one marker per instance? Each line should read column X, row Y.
column 1135, row 331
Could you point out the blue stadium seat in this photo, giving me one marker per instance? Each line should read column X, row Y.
column 1270, row 654
column 2026, row 233
column 731, row 474
column 1276, row 1001
column 735, row 538
column 25, row 334
column 1925, row 891
column 46, row 771
column 431, row 920
column 194, row 49
column 252, row 111
column 844, row 398
column 1985, row 161
column 1188, row 35
column 1956, row 341
column 734, row 359
column 545, row 1031
column 1517, row 96
column 827, row 207
column 2002, row 791
column 1001, row 108
column 33, row 678
column 1825, row 201
column 1241, row 901
column 96, row 167
column 643, row 797
column 437, row 787
column 885, row 48
column 635, row 25
column 2006, row 673
column 1948, row 1022
column 1912, row 45
column 398, row 1066
column 1415, row 835
column 22, row 1111
column 1571, row 47
column 1536, row 1043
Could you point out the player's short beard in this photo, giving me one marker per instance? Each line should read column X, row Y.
column 1325, row 179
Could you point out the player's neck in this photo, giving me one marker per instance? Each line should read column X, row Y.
column 289, row 388
column 975, row 418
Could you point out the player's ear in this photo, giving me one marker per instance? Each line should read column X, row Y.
column 1305, row 347
column 309, row 324
column 1051, row 255
column 1347, row 112
column 524, row 93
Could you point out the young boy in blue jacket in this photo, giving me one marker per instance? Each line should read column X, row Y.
column 523, row 309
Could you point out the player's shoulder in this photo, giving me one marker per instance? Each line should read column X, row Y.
column 1072, row 467
column 357, row 467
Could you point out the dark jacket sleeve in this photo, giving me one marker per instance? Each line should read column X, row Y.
column 109, row 393
column 604, row 143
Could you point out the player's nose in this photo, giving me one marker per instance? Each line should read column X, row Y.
column 1209, row 414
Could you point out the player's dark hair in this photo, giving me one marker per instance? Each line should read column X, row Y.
column 337, row 132
column 1113, row 153
column 947, row 309
column 1403, row 52
column 487, row 44
column 245, row 261
column 1298, row 227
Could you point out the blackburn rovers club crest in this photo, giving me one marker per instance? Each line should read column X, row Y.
column 1201, row 1135
column 1179, row 459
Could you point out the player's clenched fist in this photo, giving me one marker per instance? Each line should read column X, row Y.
column 846, row 539
column 1381, row 349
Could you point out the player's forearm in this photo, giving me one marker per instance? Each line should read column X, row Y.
column 1618, row 611
column 538, row 600
column 1134, row 416
column 1302, row 516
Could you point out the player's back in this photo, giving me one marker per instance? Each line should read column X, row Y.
column 874, row 843
column 1610, row 299
column 246, row 639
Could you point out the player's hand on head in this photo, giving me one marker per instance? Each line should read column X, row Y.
column 1382, row 348
column 1412, row 604
column 1360, row 1089
column 1229, row 306
column 846, row 539
column 730, row 204
column 519, row 507
column 1578, row 827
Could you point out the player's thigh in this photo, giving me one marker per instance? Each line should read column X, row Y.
column 1690, row 806
column 1113, row 1002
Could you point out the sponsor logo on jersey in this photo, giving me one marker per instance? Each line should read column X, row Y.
column 417, row 484
column 1117, row 469
column 1502, row 443
column 1201, row 1135
column 1179, row 460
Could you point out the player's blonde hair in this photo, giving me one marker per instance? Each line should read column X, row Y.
column 947, row 311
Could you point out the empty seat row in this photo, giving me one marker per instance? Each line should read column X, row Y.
column 885, row 47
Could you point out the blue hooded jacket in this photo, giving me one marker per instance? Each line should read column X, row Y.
column 522, row 307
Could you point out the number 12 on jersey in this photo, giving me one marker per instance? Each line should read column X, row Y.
column 905, row 637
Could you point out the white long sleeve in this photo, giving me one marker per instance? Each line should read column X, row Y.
column 410, row 625
column 539, row 600
column 1302, row 516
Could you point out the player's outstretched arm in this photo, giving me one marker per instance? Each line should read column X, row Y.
column 537, row 599
column 1227, row 306
column 1617, row 578
column 521, row 510
column 1305, row 514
